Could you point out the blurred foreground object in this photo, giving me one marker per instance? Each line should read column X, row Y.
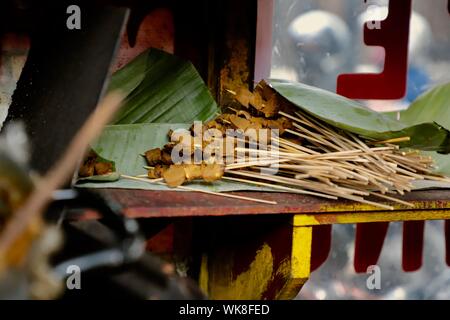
column 27, row 242
column 22, row 207
column 24, row 271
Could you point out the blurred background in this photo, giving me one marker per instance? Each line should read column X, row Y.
column 336, row 278
column 316, row 40
column 313, row 42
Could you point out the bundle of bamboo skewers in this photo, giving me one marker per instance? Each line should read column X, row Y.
column 308, row 157
column 341, row 165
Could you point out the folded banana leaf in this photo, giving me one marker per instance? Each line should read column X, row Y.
column 160, row 87
column 432, row 106
column 425, row 134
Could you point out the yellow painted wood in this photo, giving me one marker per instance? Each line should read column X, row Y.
column 343, row 207
column 278, row 267
column 364, row 217
column 301, row 252
column 203, row 277
column 300, row 263
column 251, row 284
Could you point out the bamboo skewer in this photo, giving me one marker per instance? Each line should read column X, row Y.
column 274, row 186
column 383, row 196
column 308, row 185
column 395, row 140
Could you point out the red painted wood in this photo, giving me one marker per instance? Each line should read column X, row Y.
column 155, row 31
column 412, row 253
column 263, row 51
column 368, row 244
column 447, row 242
column 158, row 204
column 393, row 36
column 162, row 242
column 321, row 245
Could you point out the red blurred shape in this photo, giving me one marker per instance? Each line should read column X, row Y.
column 368, row 244
column 413, row 232
column 393, row 36
column 321, row 245
column 163, row 241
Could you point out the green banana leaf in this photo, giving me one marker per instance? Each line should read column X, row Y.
column 433, row 105
column 131, row 75
column 163, row 88
column 159, row 87
column 124, row 145
column 349, row 115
